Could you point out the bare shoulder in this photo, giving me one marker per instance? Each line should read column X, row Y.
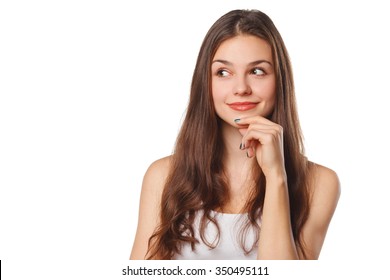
column 149, row 207
column 325, row 181
column 154, row 180
column 325, row 193
column 158, row 170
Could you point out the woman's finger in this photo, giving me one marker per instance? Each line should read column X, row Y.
column 252, row 120
column 264, row 136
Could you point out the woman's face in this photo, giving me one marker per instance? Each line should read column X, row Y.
column 243, row 78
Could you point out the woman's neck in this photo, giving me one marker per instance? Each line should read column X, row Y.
column 238, row 167
column 233, row 155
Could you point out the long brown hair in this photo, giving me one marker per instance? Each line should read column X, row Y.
column 197, row 180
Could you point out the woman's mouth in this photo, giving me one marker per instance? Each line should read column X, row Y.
column 242, row 106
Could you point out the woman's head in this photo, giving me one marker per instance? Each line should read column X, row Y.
column 244, row 23
column 243, row 79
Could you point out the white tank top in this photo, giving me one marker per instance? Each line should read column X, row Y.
column 229, row 247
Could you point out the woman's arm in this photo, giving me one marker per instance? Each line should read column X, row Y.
column 276, row 239
column 325, row 195
column 149, row 208
column 264, row 140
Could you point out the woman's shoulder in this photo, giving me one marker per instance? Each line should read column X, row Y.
column 325, row 184
column 160, row 166
column 154, row 182
column 157, row 172
column 323, row 175
column 324, row 188
column 150, row 201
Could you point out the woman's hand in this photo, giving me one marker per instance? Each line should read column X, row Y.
column 263, row 139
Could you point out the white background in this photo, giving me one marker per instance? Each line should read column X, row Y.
column 92, row 92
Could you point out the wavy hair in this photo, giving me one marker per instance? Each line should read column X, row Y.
column 197, row 181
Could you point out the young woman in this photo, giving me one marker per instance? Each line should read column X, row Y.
column 238, row 185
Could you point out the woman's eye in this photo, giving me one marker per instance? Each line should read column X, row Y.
column 222, row 73
column 258, row 72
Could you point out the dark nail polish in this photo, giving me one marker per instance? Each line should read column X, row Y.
column 237, row 120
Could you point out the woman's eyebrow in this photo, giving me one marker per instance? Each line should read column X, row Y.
column 253, row 63
column 222, row 61
column 260, row 61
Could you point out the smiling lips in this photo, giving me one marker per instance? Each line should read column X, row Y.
column 242, row 106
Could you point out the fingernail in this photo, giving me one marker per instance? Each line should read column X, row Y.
column 242, row 146
column 236, row 120
column 247, row 155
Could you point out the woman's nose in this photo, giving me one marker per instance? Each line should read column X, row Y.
column 242, row 86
